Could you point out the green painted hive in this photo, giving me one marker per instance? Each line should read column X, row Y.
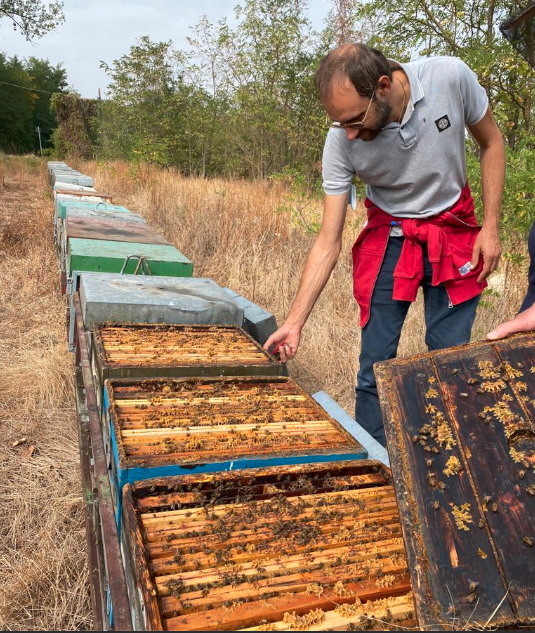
column 62, row 204
column 108, row 257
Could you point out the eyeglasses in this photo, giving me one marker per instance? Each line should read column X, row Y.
column 355, row 124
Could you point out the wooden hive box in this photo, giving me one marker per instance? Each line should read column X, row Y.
column 162, row 427
column 144, row 350
column 461, row 438
column 161, row 350
column 315, row 547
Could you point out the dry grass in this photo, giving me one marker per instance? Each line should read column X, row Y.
column 42, row 545
column 232, row 233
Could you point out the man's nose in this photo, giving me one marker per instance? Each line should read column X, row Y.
column 352, row 133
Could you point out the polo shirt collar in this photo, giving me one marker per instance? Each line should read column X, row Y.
column 417, row 91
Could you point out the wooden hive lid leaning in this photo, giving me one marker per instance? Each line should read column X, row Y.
column 310, row 547
column 461, row 438
column 159, row 350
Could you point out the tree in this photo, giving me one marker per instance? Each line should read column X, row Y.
column 51, row 79
column 32, row 18
column 17, row 107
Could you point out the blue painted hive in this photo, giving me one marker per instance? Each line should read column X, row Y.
column 162, row 427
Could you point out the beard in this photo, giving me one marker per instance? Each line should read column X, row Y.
column 383, row 112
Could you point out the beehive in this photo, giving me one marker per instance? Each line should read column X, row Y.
column 145, row 299
column 315, row 547
column 109, row 256
column 461, row 437
column 160, row 350
column 158, row 427
column 113, row 230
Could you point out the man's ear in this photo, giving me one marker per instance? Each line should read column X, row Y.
column 384, row 84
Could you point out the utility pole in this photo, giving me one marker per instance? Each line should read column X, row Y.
column 38, row 131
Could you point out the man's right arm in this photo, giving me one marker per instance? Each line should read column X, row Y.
column 318, row 268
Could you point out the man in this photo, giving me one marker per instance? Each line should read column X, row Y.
column 401, row 129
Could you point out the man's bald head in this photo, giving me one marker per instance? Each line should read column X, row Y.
column 359, row 64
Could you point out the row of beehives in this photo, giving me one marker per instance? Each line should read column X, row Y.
column 302, row 536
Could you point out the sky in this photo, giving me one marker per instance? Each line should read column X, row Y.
column 103, row 30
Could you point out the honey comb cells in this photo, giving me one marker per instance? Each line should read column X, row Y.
column 212, row 419
column 179, row 345
column 284, row 548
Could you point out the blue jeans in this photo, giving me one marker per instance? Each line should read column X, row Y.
column 445, row 326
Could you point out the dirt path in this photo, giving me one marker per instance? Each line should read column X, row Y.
column 42, row 545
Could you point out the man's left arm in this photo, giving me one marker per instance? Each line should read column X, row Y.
column 492, row 161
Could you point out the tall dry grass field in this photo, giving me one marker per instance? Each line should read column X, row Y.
column 234, row 233
column 43, row 584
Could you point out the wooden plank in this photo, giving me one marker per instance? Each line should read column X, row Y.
column 442, row 568
column 493, row 461
column 244, row 615
column 485, row 480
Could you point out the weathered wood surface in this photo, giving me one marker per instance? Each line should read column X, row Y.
column 461, row 439
column 112, row 230
column 236, row 550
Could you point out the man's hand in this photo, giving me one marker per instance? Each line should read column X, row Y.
column 487, row 244
column 286, row 339
column 523, row 322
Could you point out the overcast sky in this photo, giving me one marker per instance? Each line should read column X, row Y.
column 96, row 30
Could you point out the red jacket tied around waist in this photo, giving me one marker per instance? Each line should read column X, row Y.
column 449, row 237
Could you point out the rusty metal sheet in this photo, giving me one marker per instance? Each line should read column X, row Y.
column 461, row 438
column 282, row 548
column 112, row 230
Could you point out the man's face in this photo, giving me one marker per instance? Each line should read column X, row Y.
column 347, row 106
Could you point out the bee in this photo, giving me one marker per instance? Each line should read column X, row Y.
column 429, row 463
column 473, row 585
column 471, row 598
column 442, row 485
column 436, row 505
column 528, row 541
column 521, row 474
column 494, row 507
column 455, row 371
column 481, row 524
column 463, row 395
column 472, row 381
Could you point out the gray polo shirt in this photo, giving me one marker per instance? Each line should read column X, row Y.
column 418, row 168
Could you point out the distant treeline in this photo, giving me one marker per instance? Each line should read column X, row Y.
column 241, row 101
column 23, row 107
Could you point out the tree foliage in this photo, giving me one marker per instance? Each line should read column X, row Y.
column 75, row 135
column 241, row 100
column 33, row 18
column 23, row 106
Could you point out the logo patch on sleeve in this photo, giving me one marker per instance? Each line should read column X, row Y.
column 443, row 123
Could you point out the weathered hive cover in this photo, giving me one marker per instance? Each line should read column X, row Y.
column 115, row 230
column 64, row 202
column 461, row 438
column 137, row 350
column 313, row 547
column 117, row 213
column 108, row 256
column 144, row 299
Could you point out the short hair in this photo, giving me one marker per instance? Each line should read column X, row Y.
column 360, row 63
